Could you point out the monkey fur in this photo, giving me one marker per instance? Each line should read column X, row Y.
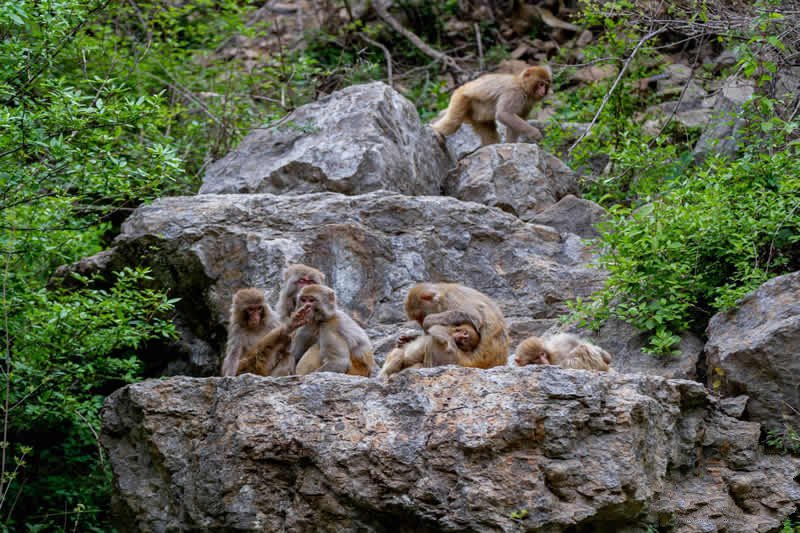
column 330, row 341
column 505, row 98
column 250, row 319
column 565, row 350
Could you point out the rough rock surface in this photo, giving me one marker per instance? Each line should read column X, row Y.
column 359, row 139
column 447, row 449
column 519, row 178
column 722, row 135
column 372, row 248
column 572, row 215
column 754, row 350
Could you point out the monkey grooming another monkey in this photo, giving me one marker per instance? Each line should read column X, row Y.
column 270, row 356
column 443, row 345
column 506, row 98
column 330, row 341
column 295, row 277
column 250, row 319
column 565, row 350
column 452, row 304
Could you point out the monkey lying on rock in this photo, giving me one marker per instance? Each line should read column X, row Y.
column 565, row 350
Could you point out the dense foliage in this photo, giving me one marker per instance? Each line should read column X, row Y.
column 105, row 105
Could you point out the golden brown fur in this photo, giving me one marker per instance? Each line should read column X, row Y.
column 270, row 356
column 250, row 319
column 505, row 98
column 295, row 277
column 452, row 304
column 443, row 345
column 330, row 341
column 565, row 350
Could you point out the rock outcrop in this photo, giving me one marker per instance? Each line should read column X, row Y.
column 359, row 139
column 521, row 179
column 753, row 349
column 356, row 179
column 447, row 449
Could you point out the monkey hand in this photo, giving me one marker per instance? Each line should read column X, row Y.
column 402, row 340
column 300, row 317
column 533, row 135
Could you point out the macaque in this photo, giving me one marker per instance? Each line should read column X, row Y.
column 270, row 356
column 565, row 350
column 451, row 304
column 251, row 318
column 330, row 341
column 443, row 345
column 511, row 66
column 507, row 98
column 295, row 277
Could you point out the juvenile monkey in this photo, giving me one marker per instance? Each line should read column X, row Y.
column 250, row 319
column 295, row 277
column 443, row 345
column 452, row 304
column 270, row 356
column 330, row 341
column 565, row 350
column 506, row 98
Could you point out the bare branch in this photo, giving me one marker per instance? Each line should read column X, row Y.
column 385, row 53
column 383, row 13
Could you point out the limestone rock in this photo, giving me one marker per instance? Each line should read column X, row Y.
column 445, row 449
column 573, row 215
column 359, row 139
column 519, row 178
column 753, row 350
column 722, row 134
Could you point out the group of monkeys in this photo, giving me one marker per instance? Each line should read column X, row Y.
column 309, row 333
column 461, row 326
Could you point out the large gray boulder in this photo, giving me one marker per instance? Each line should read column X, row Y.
column 447, row 449
column 372, row 247
column 359, row 139
column 754, row 349
column 519, row 178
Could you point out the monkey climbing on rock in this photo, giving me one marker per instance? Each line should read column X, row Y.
column 505, row 98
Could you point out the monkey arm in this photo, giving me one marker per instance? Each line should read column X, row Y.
column 233, row 353
column 304, row 338
column 262, row 357
column 518, row 125
column 452, row 318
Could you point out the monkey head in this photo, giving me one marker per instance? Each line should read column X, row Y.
column 250, row 309
column 466, row 337
column 321, row 299
column 298, row 275
column 532, row 351
column 537, row 80
column 423, row 299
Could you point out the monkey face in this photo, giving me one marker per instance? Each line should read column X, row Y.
column 254, row 315
column 465, row 337
column 542, row 89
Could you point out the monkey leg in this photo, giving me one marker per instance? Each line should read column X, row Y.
column 361, row 365
column 454, row 116
column 310, row 361
column 487, row 131
column 393, row 363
